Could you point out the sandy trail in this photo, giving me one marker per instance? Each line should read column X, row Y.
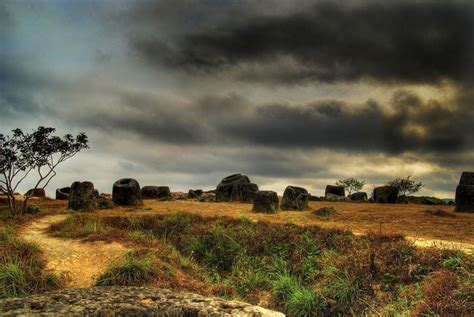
column 82, row 261
column 467, row 248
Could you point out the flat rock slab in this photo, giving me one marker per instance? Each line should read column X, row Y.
column 127, row 301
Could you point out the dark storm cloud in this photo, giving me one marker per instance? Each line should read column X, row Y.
column 406, row 124
column 408, row 41
column 17, row 90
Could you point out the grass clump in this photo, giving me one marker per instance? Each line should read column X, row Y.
column 132, row 270
column 22, row 267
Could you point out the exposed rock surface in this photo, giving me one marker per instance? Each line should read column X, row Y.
column 208, row 198
column 178, row 196
column 150, row 192
column 195, row 193
column 156, row 192
column 164, row 193
column 127, row 301
column 359, row 196
column 467, row 178
column 63, row 193
column 335, row 190
column 244, row 193
column 126, row 192
column 465, row 193
column 265, row 201
column 295, row 198
column 228, row 185
column 315, row 198
column 385, row 194
column 82, row 197
column 38, row 192
column 335, row 198
column 325, row 211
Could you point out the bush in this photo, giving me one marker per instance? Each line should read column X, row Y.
column 141, row 235
column 130, row 271
column 22, row 268
column 33, row 209
column 305, row 302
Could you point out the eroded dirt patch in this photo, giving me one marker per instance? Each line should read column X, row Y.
column 82, row 261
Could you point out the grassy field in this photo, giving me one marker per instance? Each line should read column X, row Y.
column 406, row 219
column 295, row 262
column 300, row 270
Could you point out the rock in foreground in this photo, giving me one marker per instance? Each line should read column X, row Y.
column 465, row 193
column 63, row 193
column 36, row 192
column 127, row 301
column 127, row 192
column 266, row 202
column 335, row 190
column 156, row 192
column 295, row 198
column 229, row 185
column 82, row 197
column 385, row 194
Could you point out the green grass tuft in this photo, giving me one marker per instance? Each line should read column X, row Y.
column 130, row 271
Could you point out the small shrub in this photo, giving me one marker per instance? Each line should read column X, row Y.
column 304, row 302
column 218, row 248
column 438, row 292
column 247, row 275
column 453, row 262
column 439, row 213
column 284, row 286
column 131, row 271
column 33, row 209
column 141, row 235
column 105, row 204
column 12, row 280
column 325, row 211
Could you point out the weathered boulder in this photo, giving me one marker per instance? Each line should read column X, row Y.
column 63, row 193
column 226, row 187
column 126, row 192
column 127, row 301
column 36, row 192
column 244, row 192
column 465, row 193
column 325, row 211
column 295, row 198
column 195, row 193
column 82, row 197
column 336, row 198
column 156, row 192
column 208, row 198
column 385, row 194
column 335, row 190
column 265, row 201
column 467, row 178
column 359, row 196
column 315, row 198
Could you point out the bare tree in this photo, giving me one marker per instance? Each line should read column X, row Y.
column 40, row 152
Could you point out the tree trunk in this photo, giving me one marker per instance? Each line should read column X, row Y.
column 11, row 203
column 25, row 203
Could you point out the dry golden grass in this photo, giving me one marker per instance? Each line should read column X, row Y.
column 407, row 219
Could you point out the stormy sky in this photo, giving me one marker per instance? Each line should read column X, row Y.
column 306, row 92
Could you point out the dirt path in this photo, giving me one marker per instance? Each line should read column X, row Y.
column 83, row 261
column 443, row 244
